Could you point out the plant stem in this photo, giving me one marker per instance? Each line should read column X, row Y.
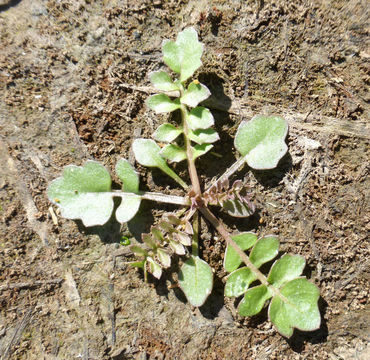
column 159, row 197
column 189, row 152
column 195, row 239
column 225, row 234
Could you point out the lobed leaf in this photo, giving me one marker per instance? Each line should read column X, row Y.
column 204, row 136
column 199, row 150
column 245, row 241
column 161, row 103
column 196, row 280
column 147, row 153
column 167, row 133
column 162, row 81
column 300, row 310
column 238, row 282
column 261, row 141
column 130, row 183
column 82, row 192
column 264, row 250
column 194, row 94
column 183, row 56
column 173, row 153
column 200, row 118
column 287, row 268
column 254, row 300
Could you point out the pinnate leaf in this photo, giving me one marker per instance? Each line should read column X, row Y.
column 287, row 268
column 238, row 282
column 196, row 280
column 183, row 56
column 262, row 141
column 245, row 241
column 299, row 310
column 199, row 150
column 206, row 136
column 162, row 81
column 200, row 118
column 161, row 103
column 194, row 94
column 83, row 193
column 166, row 133
column 173, row 153
column 253, row 300
column 264, row 250
column 146, row 152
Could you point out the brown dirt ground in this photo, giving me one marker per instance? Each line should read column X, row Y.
column 74, row 78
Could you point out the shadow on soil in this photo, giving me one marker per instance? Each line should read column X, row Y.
column 9, row 4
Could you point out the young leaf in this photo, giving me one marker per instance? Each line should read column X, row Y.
column 183, row 56
column 238, row 282
column 287, row 268
column 199, row 150
column 154, row 268
column 147, row 239
column 196, row 280
column 253, row 300
column 164, row 257
column 162, row 81
column 301, row 311
column 161, row 103
column 173, row 153
column 146, row 152
column 245, row 241
column 138, row 250
column 201, row 136
column 166, row 133
column 261, row 141
column 237, row 208
column 200, row 118
column 130, row 183
column 265, row 250
column 194, row 94
column 177, row 247
column 81, row 193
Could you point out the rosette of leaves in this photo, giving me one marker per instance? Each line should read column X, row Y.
column 294, row 299
column 85, row 192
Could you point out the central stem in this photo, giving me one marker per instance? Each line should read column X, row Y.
column 189, row 152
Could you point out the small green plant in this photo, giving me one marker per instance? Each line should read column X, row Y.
column 85, row 193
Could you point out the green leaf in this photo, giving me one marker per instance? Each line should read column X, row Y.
column 146, row 152
column 194, row 94
column 301, row 309
column 287, row 268
column 177, row 247
column 183, row 56
column 130, row 183
column 245, row 241
column 128, row 176
column 237, row 208
column 148, row 240
column 200, row 118
column 83, row 193
column 199, row 150
column 161, row 103
column 162, row 81
column 238, row 282
column 265, row 250
column 196, row 280
column 173, row 153
column 138, row 250
column 253, row 300
column 261, row 141
column 201, row 136
column 167, row 133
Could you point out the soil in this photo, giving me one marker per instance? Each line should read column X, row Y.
column 74, row 79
